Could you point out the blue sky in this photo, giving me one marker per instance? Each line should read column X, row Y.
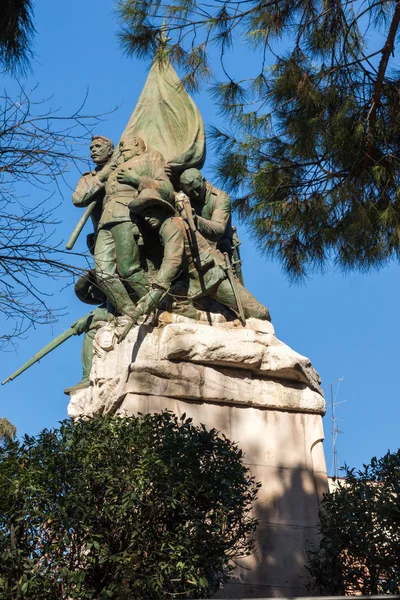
column 345, row 324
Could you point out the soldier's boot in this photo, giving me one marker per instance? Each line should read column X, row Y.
column 186, row 309
column 251, row 306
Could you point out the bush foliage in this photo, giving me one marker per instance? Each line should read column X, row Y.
column 127, row 508
column 359, row 547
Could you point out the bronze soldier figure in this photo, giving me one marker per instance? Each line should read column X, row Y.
column 212, row 216
column 118, row 267
column 212, row 207
column 117, row 258
column 189, row 253
column 88, row 291
column 90, row 186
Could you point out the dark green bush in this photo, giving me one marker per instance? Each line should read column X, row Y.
column 123, row 508
column 359, row 547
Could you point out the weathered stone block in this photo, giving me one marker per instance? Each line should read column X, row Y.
column 255, row 390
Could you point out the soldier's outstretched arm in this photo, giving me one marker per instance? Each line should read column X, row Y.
column 148, row 303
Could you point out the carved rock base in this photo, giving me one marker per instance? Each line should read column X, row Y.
column 257, row 391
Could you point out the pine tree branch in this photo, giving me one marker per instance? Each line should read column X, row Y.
column 386, row 52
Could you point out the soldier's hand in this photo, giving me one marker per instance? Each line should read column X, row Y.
column 116, row 160
column 149, row 302
column 181, row 196
column 145, row 306
column 80, row 326
column 126, row 175
column 168, row 171
column 105, row 172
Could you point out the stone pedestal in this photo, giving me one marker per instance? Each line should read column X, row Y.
column 257, row 391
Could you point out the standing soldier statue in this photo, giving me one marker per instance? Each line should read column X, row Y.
column 118, row 266
column 89, row 191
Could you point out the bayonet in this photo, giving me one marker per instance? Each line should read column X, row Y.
column 236, row 260
column 49, row 348
column 232, row 280
column 186, row 212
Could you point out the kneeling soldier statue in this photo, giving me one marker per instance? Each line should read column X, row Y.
column 188, row 253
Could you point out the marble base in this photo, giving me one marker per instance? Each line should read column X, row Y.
column 258, row 392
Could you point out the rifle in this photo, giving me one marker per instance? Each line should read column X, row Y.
column 236, row 260
column 231, row 278
column 49, row 348
column 81, row 223
column 185, row 209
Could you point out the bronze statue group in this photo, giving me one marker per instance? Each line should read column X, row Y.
column 162, row 236
column 163, row 239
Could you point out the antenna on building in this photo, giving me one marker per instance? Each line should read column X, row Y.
column 335, row 429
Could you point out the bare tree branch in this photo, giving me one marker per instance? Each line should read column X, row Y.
column 37, row 147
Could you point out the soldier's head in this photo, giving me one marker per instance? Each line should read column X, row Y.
column 131, row 146
column 193, row 184
column 101, row 149
column 152, row 208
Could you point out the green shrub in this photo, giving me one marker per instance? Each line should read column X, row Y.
column 123, row 508
column 359, row 547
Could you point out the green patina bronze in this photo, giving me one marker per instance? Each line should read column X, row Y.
column 188, row 254
column 168, row 120
column 79, row 327
column 88, row 191
column 212, row 210
column 162, row 234
column 89, row 292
